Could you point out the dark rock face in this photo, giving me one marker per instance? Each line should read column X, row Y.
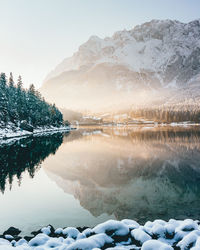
column 12, row 231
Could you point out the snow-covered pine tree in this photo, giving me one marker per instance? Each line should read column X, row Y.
column 3, row 99
column 18, row 105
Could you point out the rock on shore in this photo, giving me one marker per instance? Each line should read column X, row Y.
column 112, row 234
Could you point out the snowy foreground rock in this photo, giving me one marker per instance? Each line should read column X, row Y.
column 112, row 234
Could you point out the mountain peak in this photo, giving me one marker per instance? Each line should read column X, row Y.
column 155, row 54
column 94, row 39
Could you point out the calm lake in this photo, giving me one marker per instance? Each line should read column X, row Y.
column 93, row 174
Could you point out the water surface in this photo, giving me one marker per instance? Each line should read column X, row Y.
column 93, row 174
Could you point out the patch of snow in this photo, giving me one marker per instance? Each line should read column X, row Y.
column 8, row 237
column 187, row 225
column 189, row 240
column 112, row 227
column 4, row 242
column 140, row 236
column 59, row 231
column 8, row 134
column 71, row 232
column 95, row 241
column 46, row 230
column 158, row 230
column 39, row 240
column 155, row 245
column 131, row 223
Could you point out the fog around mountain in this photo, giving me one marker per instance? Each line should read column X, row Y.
column 155, row 63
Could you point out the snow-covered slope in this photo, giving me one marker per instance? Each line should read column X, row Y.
column 156, row 55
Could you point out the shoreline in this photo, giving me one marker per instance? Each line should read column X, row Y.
column 112, row 234
column 7, row 135
column 139, row 125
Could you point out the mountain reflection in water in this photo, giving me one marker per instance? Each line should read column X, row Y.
column 139, row 173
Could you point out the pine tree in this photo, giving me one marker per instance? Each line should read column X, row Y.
column 11, row 81
column 25, row 106
column 20, row 99
column 3, row 99
column 12, row 100
column 19, row 82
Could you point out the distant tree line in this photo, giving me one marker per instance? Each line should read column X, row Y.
column 183, row 112
column 18, row 104
column 168, row 114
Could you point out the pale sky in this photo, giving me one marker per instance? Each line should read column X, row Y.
column 36, row 35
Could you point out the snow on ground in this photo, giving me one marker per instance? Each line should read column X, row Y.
column 9, row 134
column 112, row 234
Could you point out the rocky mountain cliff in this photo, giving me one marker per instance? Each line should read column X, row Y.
column 153, row 61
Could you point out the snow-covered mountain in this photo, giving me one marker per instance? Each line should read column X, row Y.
column 159, row 56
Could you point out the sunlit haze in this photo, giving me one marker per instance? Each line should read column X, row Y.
column 99, row 124
column 37, row 35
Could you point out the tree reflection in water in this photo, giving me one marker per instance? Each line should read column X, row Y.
column 25, row 155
